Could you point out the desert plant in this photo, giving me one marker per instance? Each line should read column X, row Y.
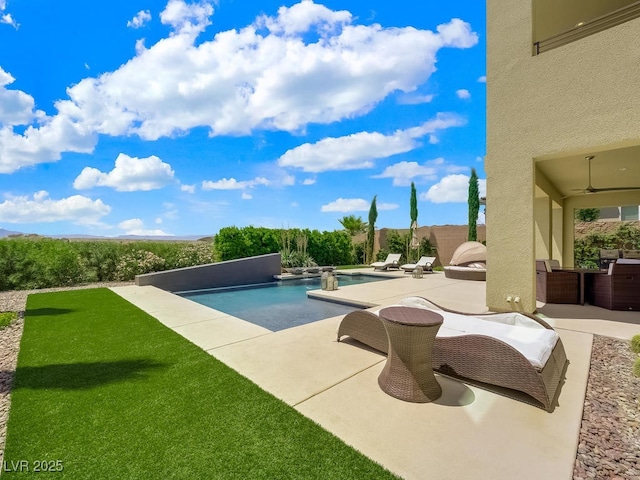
column 7, row 318
column 635, row 343
column 636, row 367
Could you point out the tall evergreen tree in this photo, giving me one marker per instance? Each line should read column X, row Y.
column 474, row 205
column 373, row 216
column 413, row 205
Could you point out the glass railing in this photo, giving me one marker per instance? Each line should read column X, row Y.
column 584, row 29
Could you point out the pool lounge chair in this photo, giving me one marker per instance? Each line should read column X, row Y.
column 513, row 351
column 392, row 261
column 425, row 262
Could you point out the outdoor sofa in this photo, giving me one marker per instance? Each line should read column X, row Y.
column 619, row 289
column 515, row 351
column 556, row 286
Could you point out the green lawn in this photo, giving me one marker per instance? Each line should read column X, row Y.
column 109, row 392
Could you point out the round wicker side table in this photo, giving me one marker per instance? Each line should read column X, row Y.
column 408, row 372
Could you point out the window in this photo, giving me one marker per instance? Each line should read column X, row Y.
column 629, row 213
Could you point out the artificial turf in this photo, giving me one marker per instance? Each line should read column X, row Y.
column 108, row 392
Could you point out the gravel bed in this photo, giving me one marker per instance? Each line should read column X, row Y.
column 609, row 444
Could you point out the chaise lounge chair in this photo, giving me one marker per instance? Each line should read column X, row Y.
column 518, row 352
column 392, row 261
column 425, row 262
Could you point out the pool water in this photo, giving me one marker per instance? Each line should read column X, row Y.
column 278, row 305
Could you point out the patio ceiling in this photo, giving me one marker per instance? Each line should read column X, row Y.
column 611, row 168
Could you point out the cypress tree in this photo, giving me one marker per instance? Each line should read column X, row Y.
column 474, row 205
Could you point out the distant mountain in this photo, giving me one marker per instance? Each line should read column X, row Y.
column 160, row 237
column 79, row 236
column 6, row 233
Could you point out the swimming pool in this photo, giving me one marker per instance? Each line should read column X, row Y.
column 277, row 305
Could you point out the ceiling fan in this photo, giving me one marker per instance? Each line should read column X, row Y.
column 591, row 189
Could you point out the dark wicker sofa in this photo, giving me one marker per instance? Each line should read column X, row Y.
column 555, row 286
column 619, row 289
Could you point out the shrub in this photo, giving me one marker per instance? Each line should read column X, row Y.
column 189, row 255
column 99, row 259
column 7, row 318
column 325, row 248
column 635, row 343
column 138, row 263
column 636, row 367
column 587, row 248
column 359, row 253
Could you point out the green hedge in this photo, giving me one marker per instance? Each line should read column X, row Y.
column 28, row 263
column 326, row 248
column 587, row 249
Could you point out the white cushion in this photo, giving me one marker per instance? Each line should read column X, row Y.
column 532, row 340
column 628, row 260
column 535, row 344
column 465, row 269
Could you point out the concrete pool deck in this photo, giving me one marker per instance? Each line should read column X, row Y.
column 467, row 433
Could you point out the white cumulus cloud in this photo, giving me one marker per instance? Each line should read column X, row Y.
column 355, row 205
column 187, row 18
column 40, row 208
column 135, row 226
column 306, row 64
column 130, row 174
column 463, row 94
column 43, row 139
column 404, row 172
column 482, row 79
column 6, row 17
column 452, row 189
column 233, row 184
column 360, row 150
column 140, row 19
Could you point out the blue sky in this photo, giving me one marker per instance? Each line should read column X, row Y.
column 156, row 117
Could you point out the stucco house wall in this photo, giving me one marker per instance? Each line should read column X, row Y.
column 579, row 98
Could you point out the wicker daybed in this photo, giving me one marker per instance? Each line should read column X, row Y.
column 469, row 262
column 478, row 357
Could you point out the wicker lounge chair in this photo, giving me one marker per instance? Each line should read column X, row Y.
column 425, row 262
column 392, row 261
column 476, row 356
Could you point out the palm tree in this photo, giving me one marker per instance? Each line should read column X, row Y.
column 354, row 225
